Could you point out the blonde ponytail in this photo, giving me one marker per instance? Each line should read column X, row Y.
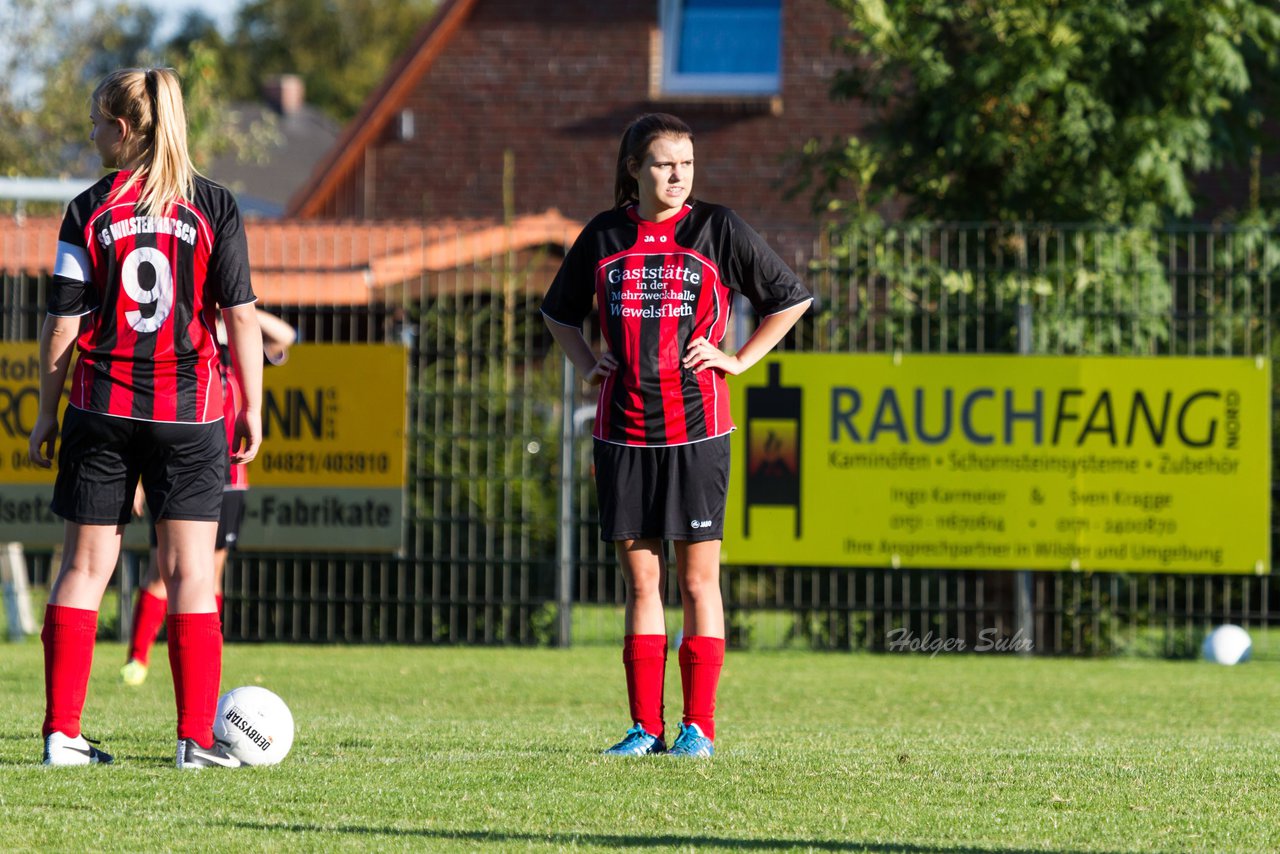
column 150, row 101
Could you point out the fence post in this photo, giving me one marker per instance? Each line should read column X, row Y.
column 565, row 537
column 1024, row 616
column 17, row 596
column 130, row 579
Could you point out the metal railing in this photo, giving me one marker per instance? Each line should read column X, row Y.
column 946, row 288
column 486, row 408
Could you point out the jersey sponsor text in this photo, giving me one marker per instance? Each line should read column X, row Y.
column 658, row 286
column 135, row 225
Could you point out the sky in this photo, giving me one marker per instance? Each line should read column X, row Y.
column 173, row 11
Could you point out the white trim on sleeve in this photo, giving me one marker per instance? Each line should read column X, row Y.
column 790, row 307
column 560, row 323
column 238, row 304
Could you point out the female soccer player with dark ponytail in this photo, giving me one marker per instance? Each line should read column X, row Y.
column 662, row 270
column 147, row 256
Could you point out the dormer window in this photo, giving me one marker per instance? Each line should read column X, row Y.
column 721, row 47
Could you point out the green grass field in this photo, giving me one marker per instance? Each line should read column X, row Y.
column 411, row 749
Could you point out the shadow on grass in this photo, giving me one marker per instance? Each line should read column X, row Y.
column 657, row 840
column 126, row 760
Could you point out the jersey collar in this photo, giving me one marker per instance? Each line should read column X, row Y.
column 634, row 213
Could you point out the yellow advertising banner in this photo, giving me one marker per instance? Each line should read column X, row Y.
column 329, row 476
column 334, row 415
column 1006, row 462
column 19, row 406
column 25, row 489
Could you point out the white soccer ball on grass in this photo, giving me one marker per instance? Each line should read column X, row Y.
column 255, row 724
column 1227, row 645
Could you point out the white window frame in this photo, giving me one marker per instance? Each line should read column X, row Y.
column 670, row 13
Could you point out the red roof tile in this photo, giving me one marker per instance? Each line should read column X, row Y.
column 332, row 263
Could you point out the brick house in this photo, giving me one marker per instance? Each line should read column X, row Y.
column 520, row 104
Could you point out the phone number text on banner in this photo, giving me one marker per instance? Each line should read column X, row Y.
column 330, row 474
column 1003, row 462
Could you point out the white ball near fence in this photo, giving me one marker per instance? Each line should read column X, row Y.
column 1227, row 645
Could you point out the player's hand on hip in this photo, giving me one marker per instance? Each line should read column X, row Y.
column 701, row 354
column 43, row 441
column 247, row 437
column 604, row 368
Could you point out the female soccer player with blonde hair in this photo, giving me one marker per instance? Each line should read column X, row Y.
column 147, row 256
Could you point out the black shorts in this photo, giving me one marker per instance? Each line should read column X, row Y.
column 228, row 522
column 672, row 493
column 183, row 468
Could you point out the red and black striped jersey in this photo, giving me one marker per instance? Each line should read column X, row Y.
column 152, row 285
column 657, row 286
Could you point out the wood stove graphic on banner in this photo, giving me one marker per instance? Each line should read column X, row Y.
column 773, row 447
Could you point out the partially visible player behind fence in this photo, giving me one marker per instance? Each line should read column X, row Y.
column 152, row 601
column 662, row 270
column 147, row 257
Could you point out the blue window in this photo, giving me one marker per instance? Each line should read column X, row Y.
column 721, row 46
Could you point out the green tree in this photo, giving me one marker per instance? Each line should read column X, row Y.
column 58, row 52
column 214, row 129
column 342, row 49
column 1019, row 114
column 1067, row 111
column 38, row 127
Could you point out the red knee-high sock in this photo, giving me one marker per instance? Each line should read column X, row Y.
column 68, row 636
column 148, row 617
column 644, row 657
column 217, row 597
column 195, row 654
column 700, row 661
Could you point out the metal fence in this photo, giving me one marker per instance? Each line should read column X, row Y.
column 487, row 415
column 987, row 288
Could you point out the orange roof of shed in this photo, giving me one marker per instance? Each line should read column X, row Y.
column 331, row 263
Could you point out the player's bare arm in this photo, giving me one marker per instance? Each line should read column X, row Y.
column 277, row 337
column 244, row 336
column 593, row 369
column 57, row 341
column 701, row 354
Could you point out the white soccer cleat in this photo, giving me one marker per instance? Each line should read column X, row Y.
column 193, row 757
column 62, row 751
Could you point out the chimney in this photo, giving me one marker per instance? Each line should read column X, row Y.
column 285, row 92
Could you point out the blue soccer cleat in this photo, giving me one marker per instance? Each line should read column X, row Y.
column 638, row 743
column 691, row 742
